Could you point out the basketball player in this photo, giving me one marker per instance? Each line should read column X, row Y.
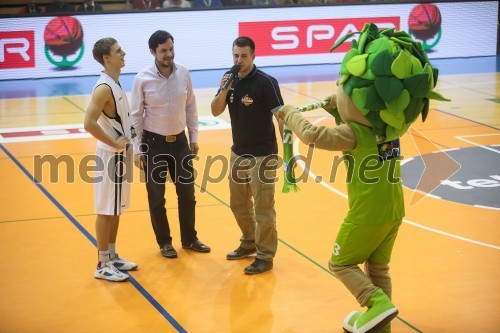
column 108, row 120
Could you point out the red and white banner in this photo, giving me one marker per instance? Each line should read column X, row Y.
column 280, row 38
column 35, row 47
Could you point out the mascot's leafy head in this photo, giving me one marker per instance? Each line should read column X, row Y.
column 389, row 79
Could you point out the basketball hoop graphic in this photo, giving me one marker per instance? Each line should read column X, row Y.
column 424, row 23
column 63, row 38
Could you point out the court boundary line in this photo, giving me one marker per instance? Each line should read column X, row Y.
column 84, row 231
column 342, row 194
column 462, row 138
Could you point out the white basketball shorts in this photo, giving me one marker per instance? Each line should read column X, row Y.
column 112, row 186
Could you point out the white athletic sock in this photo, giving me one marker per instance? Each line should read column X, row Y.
column 112, row 250
column 103, row 257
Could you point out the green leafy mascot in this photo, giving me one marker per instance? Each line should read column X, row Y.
column 386, row 84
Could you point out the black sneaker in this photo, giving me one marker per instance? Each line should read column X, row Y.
column 259, row 266
column 168, row 251
column 240, row 253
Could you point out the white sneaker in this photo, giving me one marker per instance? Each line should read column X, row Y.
column 110, row 273
column 122, row 263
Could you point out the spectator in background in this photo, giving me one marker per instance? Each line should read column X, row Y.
column 146, row 4
column 207, row 3
column 89, row 6
column 265, row 2
column 60, row 6
column 235, row 2
column 32, row 8
column 176, row 4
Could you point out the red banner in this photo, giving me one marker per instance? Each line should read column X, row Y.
column 278, row 38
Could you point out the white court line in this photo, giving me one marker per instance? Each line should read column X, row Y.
column 76, row 131
column 342, row 194
column 462, row 137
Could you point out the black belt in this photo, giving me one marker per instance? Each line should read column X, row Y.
column 166, row 138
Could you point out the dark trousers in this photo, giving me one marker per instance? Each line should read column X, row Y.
column 174, row 159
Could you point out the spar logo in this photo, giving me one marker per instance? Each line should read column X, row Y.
column 307, row 36
column 424, row 23
column 63, row 38
column 17, row 49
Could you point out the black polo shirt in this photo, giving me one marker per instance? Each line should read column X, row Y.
column 250, row 102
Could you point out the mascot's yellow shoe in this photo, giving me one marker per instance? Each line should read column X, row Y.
column 380, row 312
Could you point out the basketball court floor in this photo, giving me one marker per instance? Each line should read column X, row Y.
column 445, row 265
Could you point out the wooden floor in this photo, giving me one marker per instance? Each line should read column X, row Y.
column 445, row 265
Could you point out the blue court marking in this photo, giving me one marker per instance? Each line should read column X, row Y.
column 134, row 282
column 83, row 85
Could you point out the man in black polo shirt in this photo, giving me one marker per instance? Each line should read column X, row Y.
column 251, row 98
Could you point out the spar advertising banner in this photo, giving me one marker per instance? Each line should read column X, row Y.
column 47, row 46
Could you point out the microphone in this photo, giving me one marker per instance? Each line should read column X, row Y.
column 232, row 73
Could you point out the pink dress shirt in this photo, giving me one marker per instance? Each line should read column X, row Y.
column 163, row 105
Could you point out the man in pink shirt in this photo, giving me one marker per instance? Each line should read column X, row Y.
column 162, row 105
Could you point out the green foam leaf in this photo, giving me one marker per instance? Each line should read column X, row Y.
column 401, row 33
column 435, row 73
column 418, row 85
column 416, row 66
column 342, row 40
column 355, row 82
column 373, row 101
column 362, row 41
column 437, row 96
column 425, row 109
column 398, row 104
column 358, row 98
column 402, row 65
column 343, row 79
column 348, row 56
column 368, row 75
column 391, row 119
column 387, row 31
column 354, row 44
column 388, row 87
column 427, row 69
column 381, row 64
column 357, row 65
column 378, row 124
column 378, row 45
column 413, row 109
column 402, row 43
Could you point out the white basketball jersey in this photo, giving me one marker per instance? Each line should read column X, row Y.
column 121, row 124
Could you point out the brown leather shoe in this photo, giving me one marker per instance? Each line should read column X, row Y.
column 197, row 246
column 259, row 266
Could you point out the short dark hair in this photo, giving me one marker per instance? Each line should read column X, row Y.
column 243, row 41
column 159, row 37
column 103, row 47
